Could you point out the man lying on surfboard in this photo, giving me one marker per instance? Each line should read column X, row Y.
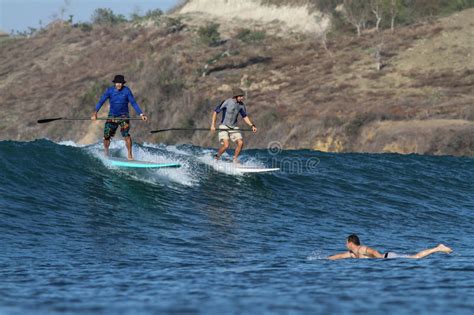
column 356, row 250
column 119, row 96
column 231, row 108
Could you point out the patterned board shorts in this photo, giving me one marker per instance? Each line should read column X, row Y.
column 111, row 126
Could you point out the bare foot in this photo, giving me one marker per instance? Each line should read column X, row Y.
column 130, row 158
column 443, row 248
column 235, row 161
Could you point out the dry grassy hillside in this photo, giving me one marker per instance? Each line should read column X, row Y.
column 298, row 16
column 298, row 93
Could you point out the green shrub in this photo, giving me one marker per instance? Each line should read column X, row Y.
column 247, row 36
column 209, row 34
column 449, row 6
column 103, row 16
column 153, row 15
column 85, row 27
column 174, row 25
column 415, row 10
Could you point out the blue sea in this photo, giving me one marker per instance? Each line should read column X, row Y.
column 78, row 236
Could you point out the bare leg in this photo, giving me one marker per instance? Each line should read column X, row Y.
column 223, row 148
column 240, row 145
column 128, row 144
column 427, row 252
column 106, row 147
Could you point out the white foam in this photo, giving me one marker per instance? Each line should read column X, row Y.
column 316, row 255
column 228, row 167
column 182, row 175
column 154, row 145
column 70, row 143
column 191, row 172
column 174, row 149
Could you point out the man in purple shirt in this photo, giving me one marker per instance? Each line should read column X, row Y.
column 119, row 96
column 231, row 109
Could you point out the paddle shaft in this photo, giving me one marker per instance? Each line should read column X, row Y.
column 197, row 129
column 47, row 120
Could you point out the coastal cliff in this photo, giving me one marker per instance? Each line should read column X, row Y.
column 404, row 91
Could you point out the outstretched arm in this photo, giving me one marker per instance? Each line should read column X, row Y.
column 137, row 108
column 99, row 104
column 340, row 256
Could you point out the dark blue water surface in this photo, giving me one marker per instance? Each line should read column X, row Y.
column 79, row 237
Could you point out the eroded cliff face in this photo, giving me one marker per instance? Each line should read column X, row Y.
column 298, row 94
column 299, row 18
column 433, row 136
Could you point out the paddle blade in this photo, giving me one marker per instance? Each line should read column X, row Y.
column 47, row 120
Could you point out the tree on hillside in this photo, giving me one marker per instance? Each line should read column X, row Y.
column 394, row 7
column 378, row 9
column 323, row 37
column 357, row 13
column 327, row 8
column 425, row 7
column 378, row 51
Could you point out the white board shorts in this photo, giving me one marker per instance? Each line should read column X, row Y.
column 233, row 134
column 390, row 255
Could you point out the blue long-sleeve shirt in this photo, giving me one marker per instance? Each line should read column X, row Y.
column 118, row 100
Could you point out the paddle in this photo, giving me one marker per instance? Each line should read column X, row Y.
column 196, row 129
column 47, row 120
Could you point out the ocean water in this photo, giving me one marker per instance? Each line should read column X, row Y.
column 80, row 237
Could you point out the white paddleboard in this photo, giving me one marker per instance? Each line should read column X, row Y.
column 241, row 169
column 252, row 169
column 121, row 162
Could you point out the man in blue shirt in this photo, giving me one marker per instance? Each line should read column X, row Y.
column 119, row 96
column 231, row 108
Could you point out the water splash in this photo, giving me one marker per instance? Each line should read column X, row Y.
column 316, row 255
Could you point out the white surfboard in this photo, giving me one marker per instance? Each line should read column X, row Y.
column 121, row 162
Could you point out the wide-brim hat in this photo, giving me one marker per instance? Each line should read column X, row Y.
column 119, row 79
column 237, row 92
